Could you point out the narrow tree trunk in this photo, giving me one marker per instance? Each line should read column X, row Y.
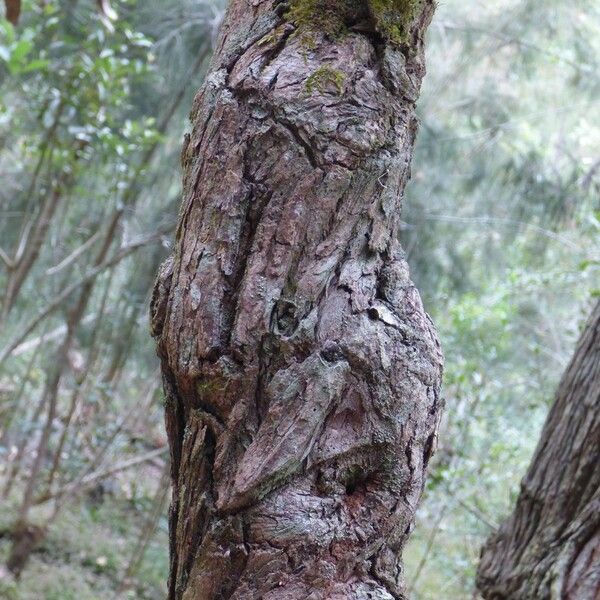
column 33, row 246
column 20, row 550
column 80, row 387
column 549, row 548
column 17, row 462
column 301, row 372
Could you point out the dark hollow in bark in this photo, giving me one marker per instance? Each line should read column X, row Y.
column 549, row 548
column 301, row 371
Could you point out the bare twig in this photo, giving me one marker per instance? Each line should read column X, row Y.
column 434, row 531
column 74, row 255
column 101, row 453
column 77, row 392
column 106, row 9
column 23, row 241
column 148, row 531
column 586, row 180
column 10, row 264
column 508, row 39
column 69, row 290
column 502, row 221
column 78, row 486
column 50, row 336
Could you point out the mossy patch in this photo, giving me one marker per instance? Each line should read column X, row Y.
column 328, row 16
column 393, row 18
column 323, row 78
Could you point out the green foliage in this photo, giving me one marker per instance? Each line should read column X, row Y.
column 16, row 53
column 92, row 117
column 502, row 235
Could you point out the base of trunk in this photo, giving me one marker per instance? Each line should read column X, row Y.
column 26, row 537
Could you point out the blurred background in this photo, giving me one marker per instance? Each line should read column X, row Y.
column 501, row 226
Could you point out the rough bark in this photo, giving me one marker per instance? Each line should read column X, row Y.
column 549, row 548
column 301, row 372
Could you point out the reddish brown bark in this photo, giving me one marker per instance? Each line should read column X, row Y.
column 301, row 372
column 549, row 548
column 13, row 10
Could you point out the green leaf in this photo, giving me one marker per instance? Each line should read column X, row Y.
column 21, row 49
column 8, row 31
column 38, row 64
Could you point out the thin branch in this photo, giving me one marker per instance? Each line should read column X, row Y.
column 428, row 547
column 519, row 42
column 477, row 514
column 107, row 10
column 149, row 528
column 46, row 337
column 503, row 221
column 78, row 486
column 586, row 180
column 74, row 255
column 10, row 264
column 23, row 241
column 145, row 408
column 69, row 290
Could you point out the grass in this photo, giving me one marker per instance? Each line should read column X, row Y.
column 85, row 555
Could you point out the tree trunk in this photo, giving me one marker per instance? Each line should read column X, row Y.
column 301, row 372
column 549, row 548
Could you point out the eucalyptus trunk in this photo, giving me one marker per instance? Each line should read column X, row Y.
column 549, row 548
column 301, row 371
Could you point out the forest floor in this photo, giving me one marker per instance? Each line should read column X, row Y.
column 89, row 546
column 86, row 553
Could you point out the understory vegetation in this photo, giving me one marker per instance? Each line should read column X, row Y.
column 501, row 229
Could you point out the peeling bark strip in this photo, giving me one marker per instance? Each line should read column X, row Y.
column 549, row 548
column 301, row 372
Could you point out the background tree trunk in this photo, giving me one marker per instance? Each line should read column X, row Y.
column 549, row 548
column 301, row 372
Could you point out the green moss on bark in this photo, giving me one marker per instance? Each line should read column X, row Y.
column 323, row 78
column 393, row 18
column 328, row 16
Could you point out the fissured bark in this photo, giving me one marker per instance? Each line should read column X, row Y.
column 549, row 548
column 301, row 372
